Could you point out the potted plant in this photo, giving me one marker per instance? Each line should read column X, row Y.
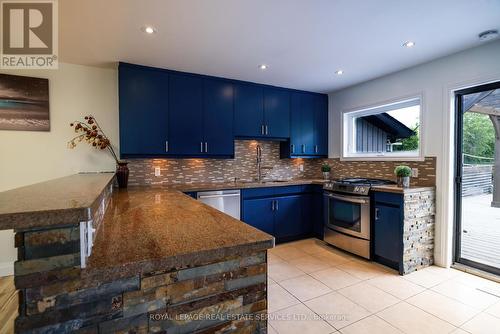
column 90, row 131
column 403, row 174
column 325, row 168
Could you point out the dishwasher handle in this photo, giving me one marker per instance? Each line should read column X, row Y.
column 216, row 196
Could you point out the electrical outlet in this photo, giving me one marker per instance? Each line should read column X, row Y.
column 414, row 172
column 301, row 168
column 157, row 171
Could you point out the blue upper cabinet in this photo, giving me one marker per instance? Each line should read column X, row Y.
column 308, row 126
column 276, row 113
column 321, row 125
column 249, row 111
column 166, row 113
column 143, row 111
column 186, row 115
column 218, row 118
column 261, row 112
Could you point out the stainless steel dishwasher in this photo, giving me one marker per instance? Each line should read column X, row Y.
column 227, row 201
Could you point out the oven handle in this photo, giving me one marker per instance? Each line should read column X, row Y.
column 350, row 199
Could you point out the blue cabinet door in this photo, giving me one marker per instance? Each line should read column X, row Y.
column 259, row 214
column 276, row 113
column 186, row 115
column 307, row 124
column 295, row 123
column 388, row 232
column 288, row 216
column 321, row 125
column 309, row 216
column 248, row 110
column 218, row 117
column 143, row 111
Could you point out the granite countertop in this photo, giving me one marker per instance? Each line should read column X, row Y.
column 395, row 189
column 145, row 229
column 53, row 202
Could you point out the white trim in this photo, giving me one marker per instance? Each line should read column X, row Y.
column 6, row 269
column 387, row 156
column 445, row 201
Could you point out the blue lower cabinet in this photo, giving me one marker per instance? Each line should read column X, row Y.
column 288, row 212
column 388, row 230
column 288, row 221
column 259, row 213
column 191, row 194
column 317, row 208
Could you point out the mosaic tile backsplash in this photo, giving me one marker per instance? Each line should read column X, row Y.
column 244, row 167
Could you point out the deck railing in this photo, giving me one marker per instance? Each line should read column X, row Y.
column 477, row 179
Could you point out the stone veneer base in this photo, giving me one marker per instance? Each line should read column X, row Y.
column 226, row 295
column 418, row 230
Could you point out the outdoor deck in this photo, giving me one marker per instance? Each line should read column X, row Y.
column 481, row 243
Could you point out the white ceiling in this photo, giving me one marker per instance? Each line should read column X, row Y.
column 303, row 41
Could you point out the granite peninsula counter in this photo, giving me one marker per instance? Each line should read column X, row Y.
column 160, row 262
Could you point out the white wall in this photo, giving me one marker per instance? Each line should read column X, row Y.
column 435, row 80
column 30, row 157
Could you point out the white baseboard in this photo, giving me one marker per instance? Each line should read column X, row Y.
column 6, row 269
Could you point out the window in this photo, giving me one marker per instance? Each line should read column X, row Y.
column 385, row 131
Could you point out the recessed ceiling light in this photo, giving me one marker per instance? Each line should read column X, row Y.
column 488, row 35
column 339, row 72
column 148, row 30
column 263, row 67
column 409, row 44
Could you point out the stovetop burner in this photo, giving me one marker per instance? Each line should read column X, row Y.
column 355, row 186
column 365, row 181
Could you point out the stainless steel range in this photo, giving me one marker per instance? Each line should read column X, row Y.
column 347, row 224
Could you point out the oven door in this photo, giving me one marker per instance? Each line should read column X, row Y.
column 349, row 215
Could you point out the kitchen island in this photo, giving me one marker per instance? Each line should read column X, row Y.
column 158, row 261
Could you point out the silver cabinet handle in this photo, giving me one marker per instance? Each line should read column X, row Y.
column 217, row 196
column 315, row 148
column 272, row 205
column 262, row 129
column 166, row 146
column 293, row 148
column 303, row 148
column 277, row 206
column 206, row 147
column 266, row 130
column 201, row 147
column 376, row 214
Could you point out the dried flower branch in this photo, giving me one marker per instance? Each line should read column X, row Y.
column 91, row 132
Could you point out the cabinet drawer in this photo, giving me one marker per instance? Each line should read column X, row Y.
column 285, row 190
column 388, row 198
column 257, row 192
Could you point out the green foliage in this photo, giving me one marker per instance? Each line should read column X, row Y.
column 478, row 138
column 402, row 171
column 410, row 143
column 326, row 168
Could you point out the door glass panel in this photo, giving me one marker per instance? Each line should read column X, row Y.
column 345, row 214
column 480, row 186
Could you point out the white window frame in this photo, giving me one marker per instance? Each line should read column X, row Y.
column 347, row 132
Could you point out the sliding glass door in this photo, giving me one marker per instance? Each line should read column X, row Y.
column 477, row 181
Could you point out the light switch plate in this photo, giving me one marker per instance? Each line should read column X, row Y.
column 157, row 171
column 414, row 172
column 301, row 168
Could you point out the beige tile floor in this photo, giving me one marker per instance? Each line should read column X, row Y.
column 315, row 288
